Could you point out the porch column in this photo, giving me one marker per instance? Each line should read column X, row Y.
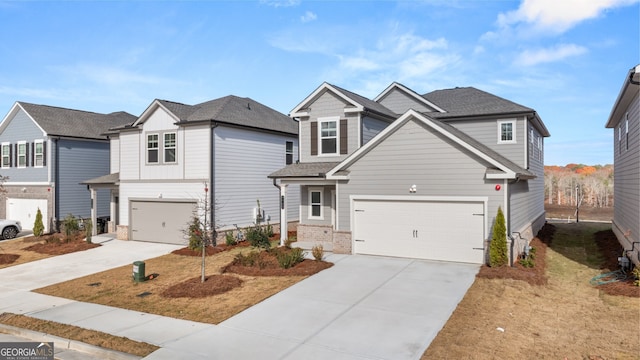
column 94, row 211
column 284, row 226
column 112, row 209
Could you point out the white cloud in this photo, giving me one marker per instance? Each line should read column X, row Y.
column 560, row 52
column 308, row 16
column 557, row 15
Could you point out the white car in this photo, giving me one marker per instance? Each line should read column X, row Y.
column 10, row 228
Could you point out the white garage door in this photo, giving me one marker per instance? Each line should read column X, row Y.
column 448, row 231
column 161, row 221
column 25, row 210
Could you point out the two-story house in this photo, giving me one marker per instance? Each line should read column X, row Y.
column 418, row 176
column 46, row 153
column 172, row 158
column 625, row 122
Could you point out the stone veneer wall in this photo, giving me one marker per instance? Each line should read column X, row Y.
column 122, row 232
column 340, row 240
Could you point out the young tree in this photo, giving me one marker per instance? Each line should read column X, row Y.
column 498, row 255
column 38, row 227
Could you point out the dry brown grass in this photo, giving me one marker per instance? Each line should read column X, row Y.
column 91, row 337
column 16, row 247
column 116, row 288
column 565, row 319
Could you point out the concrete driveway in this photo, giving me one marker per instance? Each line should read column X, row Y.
column 364, row 307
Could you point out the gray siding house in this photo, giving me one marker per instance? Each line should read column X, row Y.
column 418, row 176
column 625, row 122
column 165, row 163
column 46, row 153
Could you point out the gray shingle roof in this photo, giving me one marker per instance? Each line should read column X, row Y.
column 469, row 101
column 367, row 103
column 236, row 111
column 109, row 179
column 57, row 121
column 318, row 169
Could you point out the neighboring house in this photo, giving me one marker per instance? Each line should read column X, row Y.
column 418, row 176
column 162, row 163
column 46, row 152
column 625, row 122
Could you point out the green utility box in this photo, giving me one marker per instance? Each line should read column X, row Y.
column 138, row 271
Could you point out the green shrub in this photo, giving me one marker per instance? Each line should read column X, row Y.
column 317, row 252
column 257, row 237
column 195, row 234
column 71, row 227
column 38, row 226
column 253, row 259
column 229, row 238
column 289, row 258
column 636, row 274
column 498, row 255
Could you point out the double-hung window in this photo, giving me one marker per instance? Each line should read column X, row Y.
column 506, row 132
column 152, row 148
column 38, row 153
column 169, row 147
column 22, row 154
column 6, row 155
column 289, row 152
column 315, row 204
column 329, row 136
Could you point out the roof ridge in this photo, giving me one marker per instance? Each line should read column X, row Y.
column 63, row 108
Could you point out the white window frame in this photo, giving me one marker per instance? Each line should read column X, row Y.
column 320, row 203
column 174, row 147
column 157, row 148
column 333, row 119
column 513, row 131
column 7, row 156
column 288, row 152
column 24, row 155
column 36, row 154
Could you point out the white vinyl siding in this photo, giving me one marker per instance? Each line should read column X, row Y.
column 114, row 158
column 194, row 152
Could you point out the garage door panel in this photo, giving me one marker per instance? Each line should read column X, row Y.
column 163, row 222
column 25, row 210
column 449, row 231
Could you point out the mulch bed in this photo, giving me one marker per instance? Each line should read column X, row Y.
column 270, row 267
column 56, row 244
column 8, row 258
column 209, row 250
column 611, row 250
column 195, row 288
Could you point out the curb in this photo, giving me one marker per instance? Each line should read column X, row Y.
column 67, row 344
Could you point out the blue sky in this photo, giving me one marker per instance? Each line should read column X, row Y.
column 567, row 59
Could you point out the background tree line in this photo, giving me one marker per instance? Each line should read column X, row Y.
column 589, row 185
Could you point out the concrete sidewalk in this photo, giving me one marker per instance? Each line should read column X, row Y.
column 364, row 307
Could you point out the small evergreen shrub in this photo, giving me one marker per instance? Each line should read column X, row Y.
column 317, row 252
column 195, row 234
column 289, row 258
column 528, row 259
column 257, row 237
column 229, row 238
column 71, row 227
column 636, row 274
column 253, row 259
column 498, row 255
column 38, row 226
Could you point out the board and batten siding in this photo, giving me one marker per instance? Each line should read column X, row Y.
column 415, row 155
column 626, row 213
column 22, row 128
column 114, row 154
column 486, row 132
column 326, row 105
column 79, row 161
column 129, row 155
column 243, row 160
column 371, row 127
column 399, row 102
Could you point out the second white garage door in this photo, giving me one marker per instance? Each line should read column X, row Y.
column 434, row 230
column 25, row 210
column 161, row 221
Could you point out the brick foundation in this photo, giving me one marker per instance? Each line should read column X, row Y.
column 324, row 234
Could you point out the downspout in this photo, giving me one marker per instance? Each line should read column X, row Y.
column 212, row 186
column 56, row 184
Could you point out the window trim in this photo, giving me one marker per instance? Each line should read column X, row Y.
column 513, row 131
column 175, row 147
column 21, row 143
column 288, row 153
column 35, row 153
column 2, row 155
column 336, row 121
column 311, row 204
column 157, row 148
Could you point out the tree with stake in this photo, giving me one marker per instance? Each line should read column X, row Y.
column 498, row 247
